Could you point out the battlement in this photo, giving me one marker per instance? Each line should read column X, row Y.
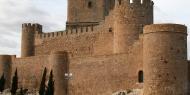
column 165, row 28
column 135, row 2
column 28, row 27
column 67, row 32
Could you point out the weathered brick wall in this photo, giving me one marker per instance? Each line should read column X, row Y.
column 30, row 70
column 165, row 59
column 103, row 75
column 95, row 75
column 77, row 42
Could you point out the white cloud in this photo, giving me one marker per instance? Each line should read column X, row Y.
column 173, row 11
column 15, row 12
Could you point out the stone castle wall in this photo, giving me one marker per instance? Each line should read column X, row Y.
column 91, row 75
column 78, row 42
column 165, row 59
column 30, row 70
column 84, row 70
column 103, row 75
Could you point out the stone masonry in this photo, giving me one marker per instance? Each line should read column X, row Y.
column 108, row 46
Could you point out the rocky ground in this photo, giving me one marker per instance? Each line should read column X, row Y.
column 122, row 92
column 7, row 92
column 129, row 92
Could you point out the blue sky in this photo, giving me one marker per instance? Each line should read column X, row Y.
column 52, row 14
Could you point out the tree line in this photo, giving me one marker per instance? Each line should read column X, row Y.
column 43, row 90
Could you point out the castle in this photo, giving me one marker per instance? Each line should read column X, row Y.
column 108, row 45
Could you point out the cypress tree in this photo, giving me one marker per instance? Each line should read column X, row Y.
column 2, row 83
column 21, row 92
column 14, row 83
column 50, row 88
column 43, row 85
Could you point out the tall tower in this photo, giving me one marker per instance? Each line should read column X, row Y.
column 87, row 12
column 28, row 34
column 130, row 17
column 165, row 59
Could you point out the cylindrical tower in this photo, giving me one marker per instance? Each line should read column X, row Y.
column 28, row 34
column 5, row 68
column 165, row 59
column 130, row 17
column 60, row 62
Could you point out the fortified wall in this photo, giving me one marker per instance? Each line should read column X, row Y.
column 116, row 48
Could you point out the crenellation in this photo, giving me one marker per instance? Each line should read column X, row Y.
column 134, row 3
column 82, row 29
column 43, row 35
column 55, row 34
column 88, row 29
column 51, row 34
column 74, row 31
column 77, row 30
column 60, row 33
column 27, row 27
column 69, row 31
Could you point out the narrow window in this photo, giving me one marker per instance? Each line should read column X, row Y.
column 110, row 29
column 89, row 4
column 141, row 77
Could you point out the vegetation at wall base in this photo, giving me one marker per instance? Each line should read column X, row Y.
column 2, row 83
column 43, row 85
column 14, row 86
column 50, row 88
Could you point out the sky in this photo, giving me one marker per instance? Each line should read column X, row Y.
column 52, row 14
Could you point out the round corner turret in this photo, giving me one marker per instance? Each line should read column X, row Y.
column 129, row 19
column 28, row 37
column 165, row 59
